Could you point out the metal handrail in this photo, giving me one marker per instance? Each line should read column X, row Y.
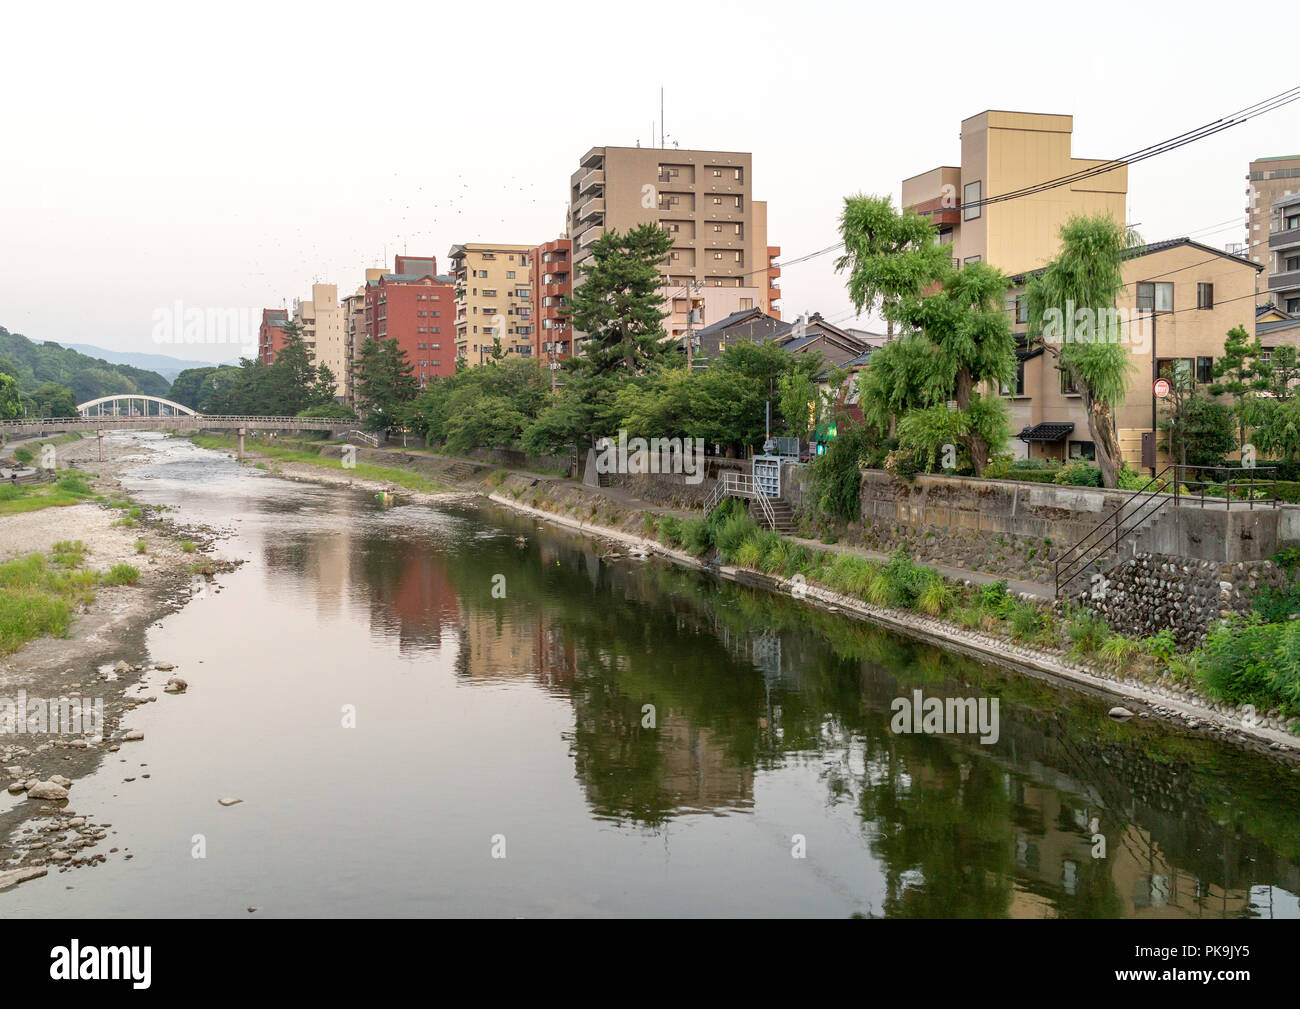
column 1094, row 542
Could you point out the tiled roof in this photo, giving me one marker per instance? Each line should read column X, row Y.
column 1047, row 431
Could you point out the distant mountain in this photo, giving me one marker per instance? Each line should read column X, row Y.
column 167, row 367
column 88, row 377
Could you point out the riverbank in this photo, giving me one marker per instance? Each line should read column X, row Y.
column 131, row 565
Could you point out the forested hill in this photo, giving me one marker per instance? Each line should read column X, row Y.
column 35, row 363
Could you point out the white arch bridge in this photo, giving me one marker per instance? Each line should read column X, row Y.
column 136, row 412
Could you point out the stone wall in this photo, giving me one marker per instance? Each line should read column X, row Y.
column 670, row 490
column 1149, row 592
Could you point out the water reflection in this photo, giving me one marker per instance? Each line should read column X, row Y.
column 745, row 685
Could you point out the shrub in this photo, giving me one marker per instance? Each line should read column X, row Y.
column 732, row 534
column 670, row 530
column 188, row 546
column 1284, row 673
column 1161, row 645
column 905, row 579
column 936, row 597
column 1026, row 620
column 750, row 554
column 23, row 455
column 695, row 536
column 1079, row 474
column 1132, row 480
column 649, row 524
column 141, row 546
column 775, row 556
column 75, row 484
column 995, row 599
column 1234, row 663
column 1087, row 633
column 1287, row 558
column 121, row 574
column 969, row 617
column 1277, row 605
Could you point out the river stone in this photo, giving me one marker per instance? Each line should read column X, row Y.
column 122, row 666
column 227, row 801
column 15, row 876
column 176, row 685
column 1120, row 714
column 59, row 779
column 163, row 667
column 135, row 735
column 47, row 790
column 17, row 788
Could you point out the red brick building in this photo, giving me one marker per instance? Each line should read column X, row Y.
column 551, row 280
column 270, row 334
column 416, row 306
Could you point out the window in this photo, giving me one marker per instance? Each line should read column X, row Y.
column 970, row 198
column 1155, row 297
column 717, row 227
column 717, row 173
column 510, row 274
column 1018, row 388
column 1293, row 304
column 1204, row 295
column 746, row 303
column 1204, row 370
column 970, row 260
column 1292, row 222
column 1022, row 310
column 1292, row 263
column 1068, row 388
column 1081, row 450
column 717, row 255
column 1174, row 367
column 717, row 200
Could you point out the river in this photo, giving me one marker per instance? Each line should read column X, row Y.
column 459, row 712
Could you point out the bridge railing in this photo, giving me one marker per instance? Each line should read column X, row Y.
column 310, row 423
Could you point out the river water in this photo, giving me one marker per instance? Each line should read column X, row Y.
column 447, row 712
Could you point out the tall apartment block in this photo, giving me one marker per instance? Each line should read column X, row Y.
column 704, row 199
column 354, row 321
column 324, row 331
column 416, row 306
column 1273, row 227
column 1002, row 152
column 493, row 299
column 550, row 277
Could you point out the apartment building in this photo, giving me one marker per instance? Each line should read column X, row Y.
column 1180, row 300
column 324, row 331
column 704, row 199
column 550, row 278
column 354, row 315
column 416, row 306
column 1274, row 182
column 1003, row 152
column 1282, row 261
column 493, row 300
column 270, row 334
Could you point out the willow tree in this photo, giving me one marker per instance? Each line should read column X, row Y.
column 895, row 263
column 1072, row 313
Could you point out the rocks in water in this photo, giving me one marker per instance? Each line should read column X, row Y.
column 228, row 801
column 134, row 736
column 122, row 667
column 17, row 787
column 59, row 779
column 1120, row 714
column 176, row 685
column 47, row 790
column 163, row 667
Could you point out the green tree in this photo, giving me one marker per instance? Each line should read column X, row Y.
column 618, row 305
column 1200, row 432
column 188, row 386
column 1234, row 373
column 1087, row 276
column 53, row 400
column 894, row 262
column 1279, row 372
column 11, row 406
column 385, row 383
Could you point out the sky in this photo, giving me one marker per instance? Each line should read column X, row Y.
column 226, row 156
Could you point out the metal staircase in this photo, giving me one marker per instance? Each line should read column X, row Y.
column 771, row 512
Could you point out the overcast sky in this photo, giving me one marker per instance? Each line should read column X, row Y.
column 227, row 155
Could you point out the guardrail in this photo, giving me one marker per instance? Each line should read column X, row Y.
column 181, row 419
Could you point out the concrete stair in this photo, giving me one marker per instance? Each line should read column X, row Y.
column 781, row 511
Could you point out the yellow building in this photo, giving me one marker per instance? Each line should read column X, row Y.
column 324, row 331
column 1179, row 302
column 1003, row 152
column 493, row 300
column 354, row 323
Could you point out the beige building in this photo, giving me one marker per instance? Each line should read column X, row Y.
column 354, row 316
column 704, row 199
column 1003, row 152
column 1179, row 302
column 324, row 331
column 1272, row 210
column 493, row 300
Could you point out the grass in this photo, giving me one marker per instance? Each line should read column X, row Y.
column 311, row 456
column 39, row 594
column 17, row 499
column 188, row 546
column 121, row 574
column 141, row 547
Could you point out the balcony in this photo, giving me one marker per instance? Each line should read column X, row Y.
column 590, row 235
column 554, row 290
column 1284, row 281
column 590, row 209
column 1284, row 239
column 590, row 180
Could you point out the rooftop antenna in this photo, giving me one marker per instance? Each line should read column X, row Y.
column 661, row 116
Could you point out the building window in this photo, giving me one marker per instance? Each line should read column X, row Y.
column 970, row 198
column 1022, row 309
column 1175, row 367
column 1293, row 304
column 717, row 173
column 746, row 303
column 1292, row 222
column 971, row 260
column 1155, row 297
column 1292, row 263
column 717, row 227
column 1204, row 295
column 717, row 255
column 1082, row 450
column 1068, row 388
column 1017, row 388
column 718, row 200
column 1204, row 370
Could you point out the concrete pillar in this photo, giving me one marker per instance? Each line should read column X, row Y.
column 100, row 436
column 241, row 442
